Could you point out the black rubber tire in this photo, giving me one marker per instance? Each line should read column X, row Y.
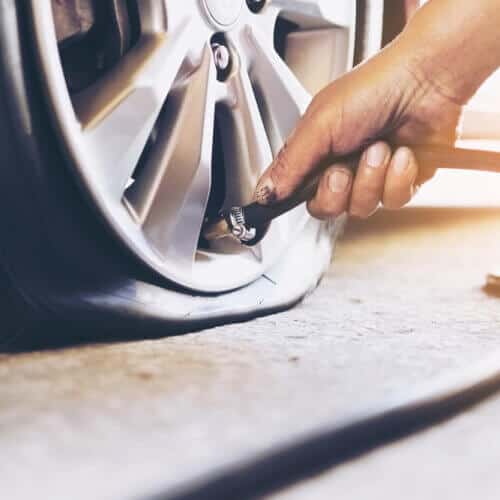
column 48, row 225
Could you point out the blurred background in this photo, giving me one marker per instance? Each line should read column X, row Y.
column 456, row 188
column 480, row 129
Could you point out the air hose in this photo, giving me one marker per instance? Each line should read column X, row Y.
column 333, row 445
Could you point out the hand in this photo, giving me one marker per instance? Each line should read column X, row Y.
column 408, row 94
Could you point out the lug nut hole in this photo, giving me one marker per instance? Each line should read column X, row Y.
column 222, row 56
column 256, row 5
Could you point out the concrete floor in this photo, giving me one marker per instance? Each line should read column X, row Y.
column 401, row 305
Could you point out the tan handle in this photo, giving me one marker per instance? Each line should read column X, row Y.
column 431, row 156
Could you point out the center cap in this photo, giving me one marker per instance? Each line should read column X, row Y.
column 223, row 13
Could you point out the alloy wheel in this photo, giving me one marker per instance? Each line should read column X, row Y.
column 195, row 99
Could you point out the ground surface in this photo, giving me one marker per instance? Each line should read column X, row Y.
column 401, row 306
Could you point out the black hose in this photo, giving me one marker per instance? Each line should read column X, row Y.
column 331, row 446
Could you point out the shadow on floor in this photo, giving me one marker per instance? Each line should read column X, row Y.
column 409, row 219
column 51, row 335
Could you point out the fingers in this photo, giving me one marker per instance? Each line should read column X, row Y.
column 401, row 178
column 381, row 177
column 334, row 192
column 306, row 147
column 368, row 188
column 360, row 195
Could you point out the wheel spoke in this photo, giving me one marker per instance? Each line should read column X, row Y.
column 283, row 100
column 247, row 151
column 139, row 139
column 119, row 112
column 169, row 196
column 332, row 43
column 316, row 13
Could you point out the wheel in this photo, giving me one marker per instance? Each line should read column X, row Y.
column 163, row 136
column 164, row 112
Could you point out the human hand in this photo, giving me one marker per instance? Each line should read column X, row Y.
column 404, row 96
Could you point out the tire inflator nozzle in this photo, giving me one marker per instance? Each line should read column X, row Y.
column 249, row 224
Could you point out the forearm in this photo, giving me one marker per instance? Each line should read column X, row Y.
column 411, row 93
column 454, row 45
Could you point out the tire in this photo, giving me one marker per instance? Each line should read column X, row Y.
column 72, row 270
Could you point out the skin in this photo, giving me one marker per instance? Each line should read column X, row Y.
column 410, row 93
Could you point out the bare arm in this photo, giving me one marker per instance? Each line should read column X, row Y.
column 410, row 93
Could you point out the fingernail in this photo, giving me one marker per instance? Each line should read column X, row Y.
column 401, row 161
column 339, row 181
column 376, row 155
column 265, row 192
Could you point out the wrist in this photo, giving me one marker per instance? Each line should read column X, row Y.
column 452, row 46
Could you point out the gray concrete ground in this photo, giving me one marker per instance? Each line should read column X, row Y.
column 401, row 305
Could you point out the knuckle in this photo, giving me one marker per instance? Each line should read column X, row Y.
column 394, row 202
column 333, row 209
column 325, row 208
column 319, row 120
column 358, row 214
column 281, row 166
column 363, row 211
column 316, row 211
column 367, row 198
column 280, row 173
column 321, row 117
column 318, row 101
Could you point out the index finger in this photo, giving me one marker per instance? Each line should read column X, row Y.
column 308, row 145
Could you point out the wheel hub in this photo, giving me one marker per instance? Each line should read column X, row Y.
column 223, row 13
column 183, row 124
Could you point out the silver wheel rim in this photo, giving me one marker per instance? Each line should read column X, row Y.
column 170, row 73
